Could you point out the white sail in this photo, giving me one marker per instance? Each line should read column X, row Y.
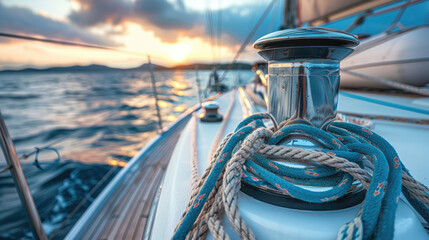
column 320, row 11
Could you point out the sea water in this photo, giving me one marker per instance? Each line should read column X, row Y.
column 97, row 122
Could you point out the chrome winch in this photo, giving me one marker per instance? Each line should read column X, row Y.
column 303, row 84
column 303, row 68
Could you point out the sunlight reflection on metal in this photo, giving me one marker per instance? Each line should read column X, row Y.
column 262, row 76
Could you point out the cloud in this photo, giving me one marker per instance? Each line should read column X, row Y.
column 168, row 20
column 159, row 13
column 171, row 20
column 93, row 12
column 166, row 15
column 21, row 20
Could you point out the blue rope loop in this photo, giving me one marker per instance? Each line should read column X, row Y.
column 40, row 165
column 344, row 140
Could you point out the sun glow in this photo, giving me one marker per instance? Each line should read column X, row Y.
column 179, row 52
column 133, row 38
column 75, row 5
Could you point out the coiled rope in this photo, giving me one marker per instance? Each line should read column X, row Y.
column 350, row 153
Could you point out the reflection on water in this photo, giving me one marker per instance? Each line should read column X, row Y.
column 114, row 162
column 96, row 114
column 179, row 84
column 103, row 118
column 171, row 118
column 180, row 108
column 164, row 104
column 177, row 92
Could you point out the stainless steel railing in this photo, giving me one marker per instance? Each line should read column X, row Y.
column 263, row 77
column 24, row 193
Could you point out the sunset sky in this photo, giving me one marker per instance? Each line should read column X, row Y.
column 171, row 31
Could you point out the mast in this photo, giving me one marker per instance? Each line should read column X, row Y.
column 290, row 19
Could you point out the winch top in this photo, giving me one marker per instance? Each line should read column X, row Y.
column 306, row 37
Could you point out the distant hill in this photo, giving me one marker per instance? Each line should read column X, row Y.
column 144, row 67
column 239, row 66
column 89, row 68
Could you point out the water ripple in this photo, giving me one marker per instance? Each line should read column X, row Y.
column 95, row 120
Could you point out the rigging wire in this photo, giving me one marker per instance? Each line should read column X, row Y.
column 274, row 17
column 219, row 31
column 74, row 44
column 209, row 19
column 397, row 19
column 68, row 43
column 248, row 38
column 393, row 8
column 385, row 103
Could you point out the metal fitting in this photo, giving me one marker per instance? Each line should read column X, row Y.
column 303, row 70
column 211, row 113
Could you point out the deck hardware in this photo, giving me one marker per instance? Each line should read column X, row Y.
column 211, row 113
column 303, row 68
column 20, row 181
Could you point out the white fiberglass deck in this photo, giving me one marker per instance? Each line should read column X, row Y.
column 410, row 141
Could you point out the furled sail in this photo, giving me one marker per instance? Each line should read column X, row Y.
column 320, row 11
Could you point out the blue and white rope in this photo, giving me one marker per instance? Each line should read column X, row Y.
column 340, row 141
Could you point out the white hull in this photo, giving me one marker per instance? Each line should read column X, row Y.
column 401, row 57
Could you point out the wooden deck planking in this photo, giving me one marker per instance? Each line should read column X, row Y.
column 125, row 213
column 130, row 210
column 124, row 210
column 140, row 215
column 139, row 230
column 113, row 206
